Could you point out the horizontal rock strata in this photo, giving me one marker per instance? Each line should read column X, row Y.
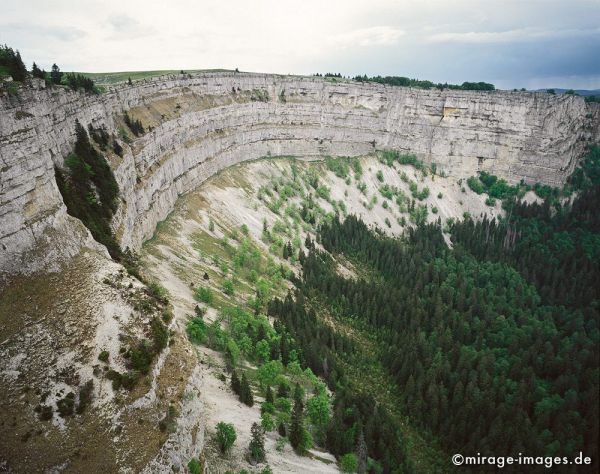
column 198, row 125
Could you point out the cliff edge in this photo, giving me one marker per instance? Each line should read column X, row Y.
column 198, row 125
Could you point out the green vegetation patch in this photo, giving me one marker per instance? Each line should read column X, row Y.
column 89, row 189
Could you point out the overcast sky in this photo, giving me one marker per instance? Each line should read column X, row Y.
column 511, row 43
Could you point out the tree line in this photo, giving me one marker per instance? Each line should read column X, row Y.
column 425, row 84
column 11, row 64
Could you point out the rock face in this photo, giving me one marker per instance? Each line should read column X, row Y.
column 198, row 125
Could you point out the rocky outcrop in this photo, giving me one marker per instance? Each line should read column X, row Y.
column 201, row 124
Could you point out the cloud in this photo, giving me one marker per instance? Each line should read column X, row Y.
column 61, row 33
column 511, row 36
column 127, row 27
column 365, row 37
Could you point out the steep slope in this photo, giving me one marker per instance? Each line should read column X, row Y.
column 197, row 125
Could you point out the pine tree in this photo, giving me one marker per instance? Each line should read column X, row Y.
column 269, row 396
column 361, row 452
column 288, row 251
column 129, row 81
column 299, row 395
column 297, row 425
column 257, row 443
column 55, row 74
column 282, row 390
column 37, row 72
column 246, row 392
column 89, row 189
column 235, row 384
column 284, row 349
column 11, row 60
column 19, row 72
column 285, row 255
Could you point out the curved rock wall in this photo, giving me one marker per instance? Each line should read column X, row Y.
column 203, row 123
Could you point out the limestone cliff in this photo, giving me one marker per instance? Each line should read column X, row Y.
column 198, row 125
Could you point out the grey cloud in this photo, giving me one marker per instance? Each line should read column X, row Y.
column 61, row 33
column 512, row 36
column 127, row 27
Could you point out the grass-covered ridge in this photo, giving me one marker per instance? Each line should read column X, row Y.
column 108, row 78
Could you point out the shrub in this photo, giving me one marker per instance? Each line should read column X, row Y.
column 116, row 379
column 339, row 166
column 160, row 334
column 141, row 356
column 169, row 422
column 45, row 412
column 196, row 330
column 86, row 393
column 324, row 192
column 419, row 215
column 348, row 463
column 134, row 125
column 488, row 180
column 118, row 149
column 228, row 287
column 226, row 436
column 129, row 379
column 194, row 466
column 204, row 295
column 476, row 185
column 281, row 442
column 103, row 356
column 389, row 156
column 356, row 167
column 158, row 292
column 66, row 404
column 267, row 407
column 266, row 421
column 501, row 190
